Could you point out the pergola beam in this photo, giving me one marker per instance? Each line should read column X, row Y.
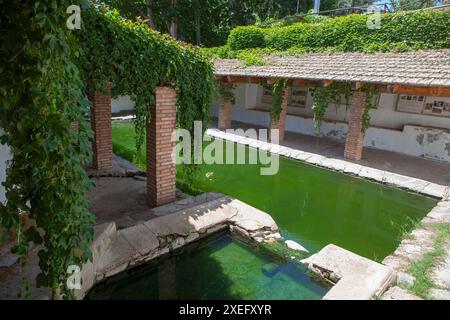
column 434, row 91
column 421, row 91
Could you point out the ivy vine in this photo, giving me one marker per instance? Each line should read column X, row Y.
column 323, row 96
column 42, row 95
column 372, row 102
column 334, row 94
column 136, row 59
column 225, row 90
column 45, row 69
column 278, row 91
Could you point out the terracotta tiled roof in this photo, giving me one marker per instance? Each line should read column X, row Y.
column 417, row 68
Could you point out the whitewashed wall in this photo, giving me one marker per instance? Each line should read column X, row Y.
column 411, row 134
column 5, row 155
column 121, row 103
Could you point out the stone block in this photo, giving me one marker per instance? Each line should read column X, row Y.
column 141, row 238
column 360, row 278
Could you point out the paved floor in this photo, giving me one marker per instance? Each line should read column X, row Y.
column 120, row 195
column 119, row 199
column 420, row 168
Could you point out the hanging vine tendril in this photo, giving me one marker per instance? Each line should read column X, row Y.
column 372, row 102
column 44, row 70
column 323, row 96
column 278, row 91
column 335, row 93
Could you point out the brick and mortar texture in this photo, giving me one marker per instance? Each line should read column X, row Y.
column 281, row 123
column 355, row 136
column 225, row 108
column 161, row 172
column 101, row 125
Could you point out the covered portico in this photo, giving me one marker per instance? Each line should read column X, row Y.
column 422, row 73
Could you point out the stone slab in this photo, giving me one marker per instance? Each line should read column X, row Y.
column 397, row 293
column 441, row 273
column 185, row 203
column 196, row 219
column 141, row 238
column 104, row 235
column 359, row 277
column 439, row 294
column 250, row 218
column 441, row 213
column 117, row 258
column 295, row 246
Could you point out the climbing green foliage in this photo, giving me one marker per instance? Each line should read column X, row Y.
column 372, row 102
column 136, row 59
column 339, row 93
column 45, row 68
column 226, row 91
column 402, row 31
column 42, row 95
column 323, row 96
column 278, row 91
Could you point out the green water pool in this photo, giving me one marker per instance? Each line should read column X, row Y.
column 313, row 206
column 218, row 268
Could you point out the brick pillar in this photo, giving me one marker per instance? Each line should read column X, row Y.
column 225, row 107
column 160, row 167
column 281, row 123
column 101, row 125
column 355, row 136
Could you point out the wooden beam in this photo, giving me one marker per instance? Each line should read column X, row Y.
column 421, row 91
column 222, row 78
column 327, row 83
column 299, row 83
column 359, row 85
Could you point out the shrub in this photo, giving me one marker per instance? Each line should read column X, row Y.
column 217, row 52
column 246, row 38
column 399, row 32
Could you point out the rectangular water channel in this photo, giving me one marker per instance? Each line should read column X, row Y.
column 218, row 267
column 316, row 206
column 311, row 205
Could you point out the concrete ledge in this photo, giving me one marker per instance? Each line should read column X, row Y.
column 355, row 277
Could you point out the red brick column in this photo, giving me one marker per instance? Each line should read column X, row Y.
column 355, row 136
column 225, row 107
column 281, row 123
column 160, row 167
column 101, row 125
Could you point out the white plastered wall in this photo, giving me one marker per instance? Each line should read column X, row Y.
column 5, row 155
column 412, row 134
